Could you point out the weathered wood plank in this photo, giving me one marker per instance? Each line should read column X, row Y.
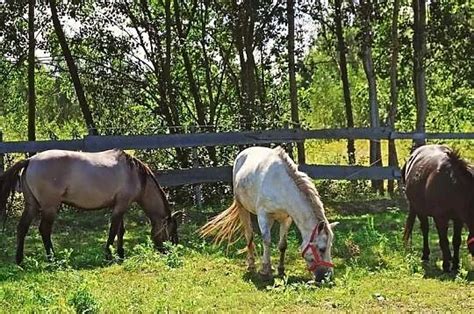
column 224, row 174
column 39, row 146
column 348, row 133
column 98, row 143
column 432, row 136
column 350, row 172
column 194, row 176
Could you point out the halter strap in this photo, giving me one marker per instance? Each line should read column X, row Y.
column 470, row 241
column 318, row 261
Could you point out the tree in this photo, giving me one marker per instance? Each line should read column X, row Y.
column 392, row 112
column 292, row 77
column 419, row 53
column 365, row 13
column 72, row 69
column 31, row 71
column 341, row 47
column 244, row 16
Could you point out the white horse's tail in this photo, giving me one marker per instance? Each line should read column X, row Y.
column 224, row 226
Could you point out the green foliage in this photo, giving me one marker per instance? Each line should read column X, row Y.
column 83, row 301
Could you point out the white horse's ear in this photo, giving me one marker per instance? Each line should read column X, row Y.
column 333, row 224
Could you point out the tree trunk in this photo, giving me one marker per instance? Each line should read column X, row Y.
column 392, row 113
column 341, row 46
column 291, row 69
column 419, row 52
column 72, row 69
column 200, row 108
column 366, row 52
column 31, row 71
column 243, row 32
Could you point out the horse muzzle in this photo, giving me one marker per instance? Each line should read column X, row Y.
column 322, row 273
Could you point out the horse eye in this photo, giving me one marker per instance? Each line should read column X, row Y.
column 322, row 251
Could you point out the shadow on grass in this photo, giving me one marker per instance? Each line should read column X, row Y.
column 257, row 280
column 78, row 238
column 432, row 271
column 264, row 284
column 357, row 207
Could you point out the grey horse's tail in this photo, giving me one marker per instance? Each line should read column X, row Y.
column 8, row 182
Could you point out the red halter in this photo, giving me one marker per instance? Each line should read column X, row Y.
column 318, row 261
column 470, row 241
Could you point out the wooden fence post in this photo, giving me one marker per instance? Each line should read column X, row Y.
column 197, row 187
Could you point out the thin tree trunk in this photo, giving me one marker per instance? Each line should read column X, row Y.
column 419, row 52
column 392, row 150
column 182, row 155
column 291, row 69
column 243, row 32
column 341, row 45
column 31, row 72
column 72, row 69
column 366, row 52
column 200, row 108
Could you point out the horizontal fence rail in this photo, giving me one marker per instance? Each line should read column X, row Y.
column 224, row 174
column 163, row 141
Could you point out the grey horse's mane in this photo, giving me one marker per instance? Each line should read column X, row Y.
column 304, row 184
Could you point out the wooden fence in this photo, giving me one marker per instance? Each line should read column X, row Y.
column 224, row 174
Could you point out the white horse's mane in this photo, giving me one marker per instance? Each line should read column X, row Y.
column 304, row 184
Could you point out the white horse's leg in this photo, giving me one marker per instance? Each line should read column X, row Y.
column 265, row 223
column 284, row 226
column 248, row 230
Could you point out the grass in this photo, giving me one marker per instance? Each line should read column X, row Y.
column 373, row 270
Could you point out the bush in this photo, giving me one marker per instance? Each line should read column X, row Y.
column 83, row 301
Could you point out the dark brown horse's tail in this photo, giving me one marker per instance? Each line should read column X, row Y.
column 8, row 181
column 409, row 226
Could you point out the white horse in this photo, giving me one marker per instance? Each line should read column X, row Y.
column 267, row 183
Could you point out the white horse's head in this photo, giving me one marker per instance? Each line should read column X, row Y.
column 317, row 252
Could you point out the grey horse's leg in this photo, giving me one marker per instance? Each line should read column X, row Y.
column 248, row 231
column 45, row 228
column 121, row 232
column 29, row 213
column 265, row 223
column 115, row 221
column 282, row 245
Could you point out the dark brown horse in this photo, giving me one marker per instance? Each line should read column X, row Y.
column 88, row 181
column 438, row 183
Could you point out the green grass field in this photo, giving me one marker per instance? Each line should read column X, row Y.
column 374, row 272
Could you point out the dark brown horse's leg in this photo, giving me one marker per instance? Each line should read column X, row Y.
column 121, row 232
column 27, row 217
column 115, row 221
column 442, row 226
column 45, row 229
column 456, row 242
column 425, row 227
column 157, row 230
